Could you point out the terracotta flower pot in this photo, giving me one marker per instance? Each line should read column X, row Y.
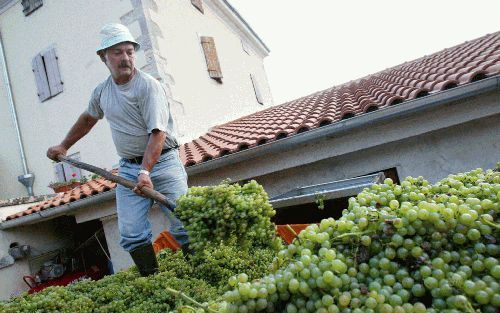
column 64, row 188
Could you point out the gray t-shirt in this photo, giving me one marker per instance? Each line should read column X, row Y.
column 133, row 110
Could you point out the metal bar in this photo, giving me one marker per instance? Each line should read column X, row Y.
column 87, row 240
column 332, row 190
column 104, row 251
column 149, row 192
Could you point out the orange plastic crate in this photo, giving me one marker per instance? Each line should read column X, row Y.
column 166, row 240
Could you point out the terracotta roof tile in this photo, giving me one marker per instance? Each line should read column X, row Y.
column 449, row 68
column 93, row 187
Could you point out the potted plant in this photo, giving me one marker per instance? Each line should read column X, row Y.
column 65, row 186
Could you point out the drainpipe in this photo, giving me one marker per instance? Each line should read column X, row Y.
column 27, row 178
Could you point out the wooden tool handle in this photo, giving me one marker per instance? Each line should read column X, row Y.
column 149, row 192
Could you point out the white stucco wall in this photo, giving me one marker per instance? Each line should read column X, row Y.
column 205, row 102
column 10, row 156
column 42, row 237
column 73, row 28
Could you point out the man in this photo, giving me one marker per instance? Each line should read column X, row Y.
column 136, row 107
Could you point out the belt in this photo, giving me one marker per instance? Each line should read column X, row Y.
column 138, row 160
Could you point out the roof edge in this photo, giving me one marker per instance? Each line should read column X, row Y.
column 240, row 22
column 6, row 4
column 404, row 109
column 48, row 214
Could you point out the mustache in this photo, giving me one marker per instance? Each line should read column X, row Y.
column 124, row 65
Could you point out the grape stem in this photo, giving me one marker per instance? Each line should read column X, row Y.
column 469, row 307
column 187, row 307
column 185, row 297
column 497, row 226
column 293, row 232
column 352, row 234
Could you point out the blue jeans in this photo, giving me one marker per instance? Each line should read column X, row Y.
column 169, row 178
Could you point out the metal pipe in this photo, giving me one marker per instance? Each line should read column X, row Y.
column 57, row 211
column 11, row 105
column 404, row 109
column 27, row 178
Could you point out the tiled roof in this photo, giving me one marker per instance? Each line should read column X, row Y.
column 93, row 187
column 23, row 200
column 459, row 65
column 456, row 66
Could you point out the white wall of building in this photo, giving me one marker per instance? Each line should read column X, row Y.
column 72, row 27
column 205, row 102
column 10, row 155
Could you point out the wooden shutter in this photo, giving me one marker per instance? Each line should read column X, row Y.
column 197, row 4
column 59, row 168
column 213, row 65
column 29, row 6
column 42, row 83
column 52, row 70
column 256, row 88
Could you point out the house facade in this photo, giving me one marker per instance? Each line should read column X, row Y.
column 207, row 57
column 430, row 117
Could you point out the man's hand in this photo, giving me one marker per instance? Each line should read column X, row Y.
column 55, row 151
column 142, row 181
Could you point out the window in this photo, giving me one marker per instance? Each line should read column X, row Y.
column 256, row 89
column 211, row 58
column 66, row 172
column 30, row 6
column 197, row 4
column 302, row 205
column 47, row 76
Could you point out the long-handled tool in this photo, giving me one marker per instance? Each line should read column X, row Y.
column 148, row 192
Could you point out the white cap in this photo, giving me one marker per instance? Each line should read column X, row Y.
column 114, row 33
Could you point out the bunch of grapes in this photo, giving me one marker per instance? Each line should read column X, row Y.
column 230, row 214
column 413, row 247
column 216, row 264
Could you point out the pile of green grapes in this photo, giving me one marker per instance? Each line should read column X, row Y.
column 122, row 292
column 237, row 221
column 230, row 214
column 414, row 247
column 180, row 286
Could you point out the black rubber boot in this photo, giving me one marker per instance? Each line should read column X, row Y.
column 188, row 252
column 145, row 259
